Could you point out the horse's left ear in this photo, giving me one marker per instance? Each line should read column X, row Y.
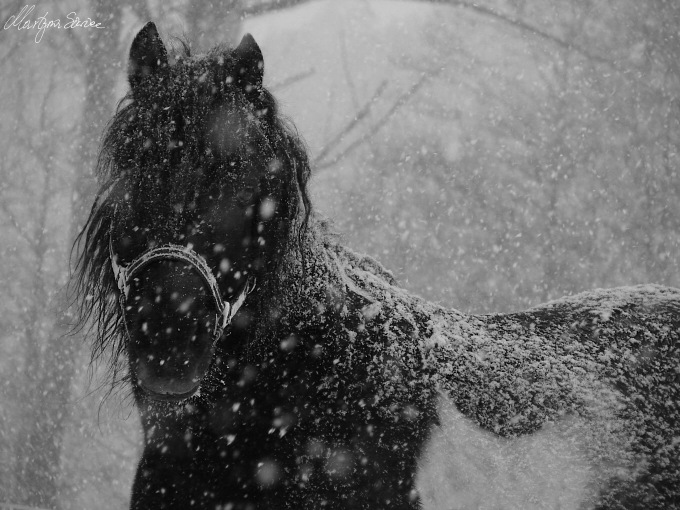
column 147, row 55
column 249, row 65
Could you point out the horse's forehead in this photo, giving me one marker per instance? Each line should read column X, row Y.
column 192, row 103
column 198, row 103
column 186, row 84
column 188, row 78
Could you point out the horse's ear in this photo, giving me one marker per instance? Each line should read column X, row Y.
column 249, row 64
column 147, row 55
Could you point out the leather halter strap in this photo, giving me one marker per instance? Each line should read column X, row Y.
column 225, row 309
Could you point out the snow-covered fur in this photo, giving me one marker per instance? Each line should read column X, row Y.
column 594, row 377
column 338, row 389
column 366, row 396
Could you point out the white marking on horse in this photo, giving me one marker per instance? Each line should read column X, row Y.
column 464, row 466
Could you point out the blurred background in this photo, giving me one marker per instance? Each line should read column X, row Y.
column 494, row 155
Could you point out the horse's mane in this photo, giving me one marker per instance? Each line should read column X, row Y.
column 121, row 159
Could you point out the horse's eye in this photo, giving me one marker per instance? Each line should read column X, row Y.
column 245, row 196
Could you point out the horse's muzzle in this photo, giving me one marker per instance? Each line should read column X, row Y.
column 171, row 386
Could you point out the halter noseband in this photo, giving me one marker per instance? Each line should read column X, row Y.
column 225, row 309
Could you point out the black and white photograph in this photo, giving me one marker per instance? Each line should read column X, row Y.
column 340, row 255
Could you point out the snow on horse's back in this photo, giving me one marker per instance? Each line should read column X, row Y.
column 571, row 404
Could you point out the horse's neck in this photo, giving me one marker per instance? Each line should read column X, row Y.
column 310, row 289
column 324, row 281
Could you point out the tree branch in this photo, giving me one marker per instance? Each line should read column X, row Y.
column 401, row 101
column 15, row 223
column 559, row 42
column 292, row 79
column 346, row 69
column 524, row 26
column 357, row 118
column 259, row 8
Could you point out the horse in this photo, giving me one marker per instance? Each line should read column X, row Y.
column 272, row 367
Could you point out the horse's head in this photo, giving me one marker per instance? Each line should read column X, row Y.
column 202, row 185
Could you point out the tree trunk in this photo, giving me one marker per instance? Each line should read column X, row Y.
column 50, row 371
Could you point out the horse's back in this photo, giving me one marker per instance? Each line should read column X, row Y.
column 571, row 404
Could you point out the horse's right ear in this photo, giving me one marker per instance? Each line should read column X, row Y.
column 147, row 55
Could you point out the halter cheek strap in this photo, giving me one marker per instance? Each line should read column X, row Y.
column 186, row 254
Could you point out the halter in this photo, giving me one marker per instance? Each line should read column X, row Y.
column 186, row 254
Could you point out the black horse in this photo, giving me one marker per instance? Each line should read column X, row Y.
column 274, row 368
